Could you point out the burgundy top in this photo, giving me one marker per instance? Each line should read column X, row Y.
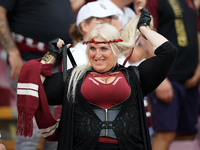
column 92, row 90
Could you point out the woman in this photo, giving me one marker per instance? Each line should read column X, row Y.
column 102, row 109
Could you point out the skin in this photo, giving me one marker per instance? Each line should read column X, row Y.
column 121, row 3
column 2, row 145
column 144, row 48
column 139, row 52
column 76, row 4
column 197, row 4
column 87, row 27
column 139, row 3
column 60, row 43
column 101, row 56
column 7, row 43
column 164, row 92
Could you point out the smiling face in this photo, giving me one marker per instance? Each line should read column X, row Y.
column 101, row 56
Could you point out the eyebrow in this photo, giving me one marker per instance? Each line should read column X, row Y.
column 105, row 45
column 101, row 46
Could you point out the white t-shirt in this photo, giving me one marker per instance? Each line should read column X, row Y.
column 124, row 16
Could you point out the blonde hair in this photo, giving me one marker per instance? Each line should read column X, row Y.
column 107, row 32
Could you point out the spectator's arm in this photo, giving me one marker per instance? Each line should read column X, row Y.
column 9, row 45
column 76, row 4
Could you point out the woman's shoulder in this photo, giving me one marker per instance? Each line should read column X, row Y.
column 167, row 47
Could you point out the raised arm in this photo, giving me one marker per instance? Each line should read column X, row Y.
column 155, row 69
column 153, row 37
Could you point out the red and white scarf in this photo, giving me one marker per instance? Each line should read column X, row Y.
column 32, row 101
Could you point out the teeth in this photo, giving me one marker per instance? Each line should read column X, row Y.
column 99, row 60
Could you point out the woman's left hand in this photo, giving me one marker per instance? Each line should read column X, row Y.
column 145, row 17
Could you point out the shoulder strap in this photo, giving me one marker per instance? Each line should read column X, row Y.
column 71, row 58
column 136, row 72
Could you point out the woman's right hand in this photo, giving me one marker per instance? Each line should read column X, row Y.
column 55, row 47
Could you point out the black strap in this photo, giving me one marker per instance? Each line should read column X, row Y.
column 71, row 58
column 64, row 63
column 107, row 123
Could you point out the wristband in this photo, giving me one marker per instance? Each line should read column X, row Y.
column 47, row 58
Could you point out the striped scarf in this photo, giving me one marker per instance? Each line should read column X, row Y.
column 32, row 101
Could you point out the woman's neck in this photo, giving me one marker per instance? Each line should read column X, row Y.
column 113, row 69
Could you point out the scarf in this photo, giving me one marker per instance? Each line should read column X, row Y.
column 32, row 101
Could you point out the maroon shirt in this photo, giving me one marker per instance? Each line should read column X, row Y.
column 92, row 90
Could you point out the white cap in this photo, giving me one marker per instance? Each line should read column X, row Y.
column 94, row 9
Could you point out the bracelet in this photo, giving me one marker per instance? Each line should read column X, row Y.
column 47, row 57
column 148, row 27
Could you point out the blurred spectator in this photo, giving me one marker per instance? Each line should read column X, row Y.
column 26, row 27
column 175, row 102
column 197, row 5
column 2, row 145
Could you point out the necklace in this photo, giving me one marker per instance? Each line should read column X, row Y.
column 113, row 69
column 106, row 77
